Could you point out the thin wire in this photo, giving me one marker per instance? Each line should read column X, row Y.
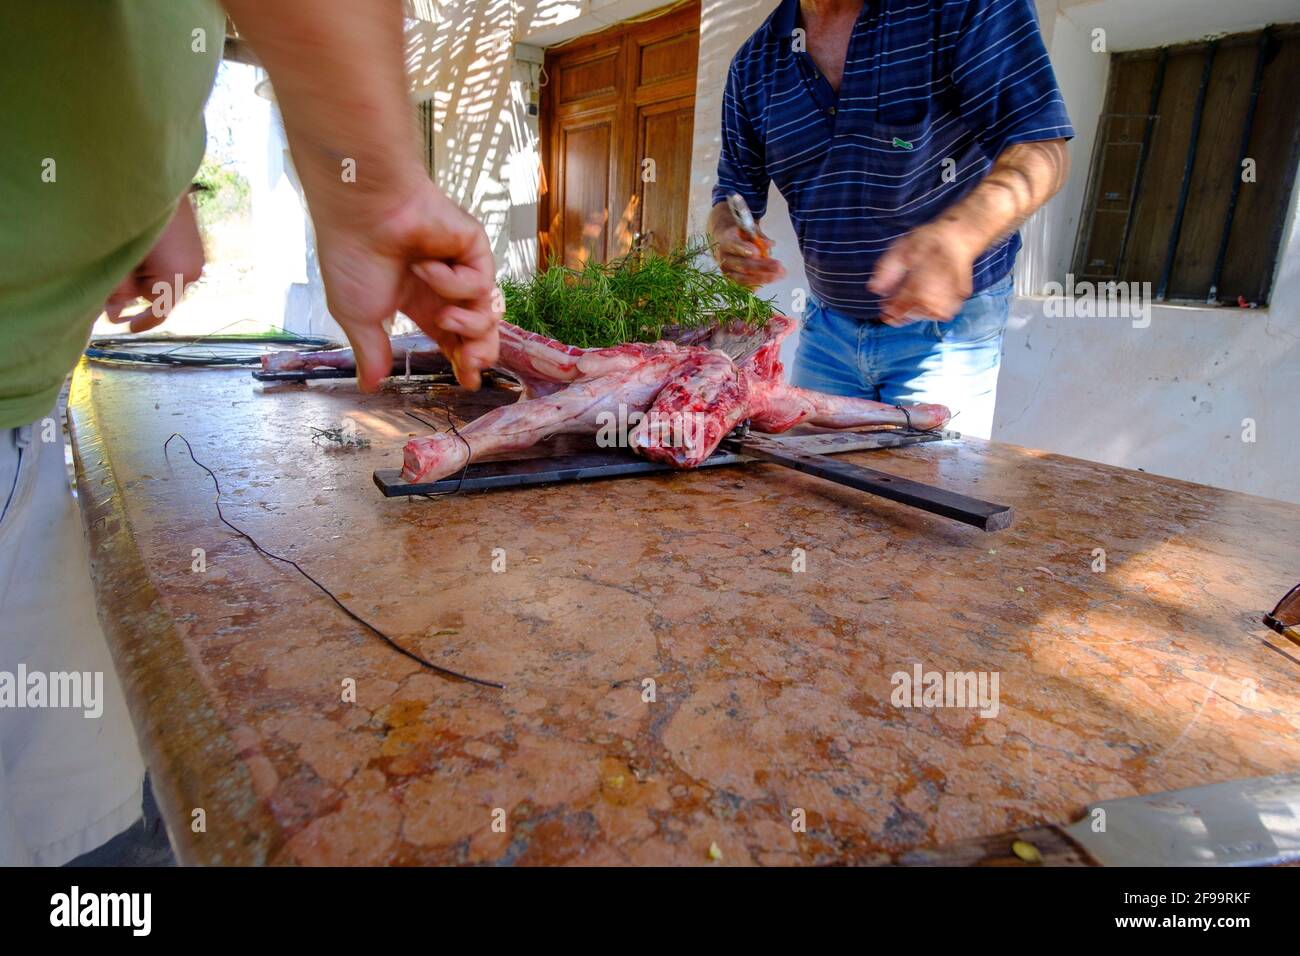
column 218, row 332
column 907, row 415
column 423, row 421
column 469, row 451
column 444, row 671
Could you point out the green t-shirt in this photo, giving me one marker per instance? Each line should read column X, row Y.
column 102, row 131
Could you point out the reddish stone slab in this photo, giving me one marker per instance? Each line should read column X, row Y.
column 772, row 689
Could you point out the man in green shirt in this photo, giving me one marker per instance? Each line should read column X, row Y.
column 103, row 131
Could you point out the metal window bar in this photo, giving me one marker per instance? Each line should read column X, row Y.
column 1084, row 268
column 1199, row 112
column 1157, row 87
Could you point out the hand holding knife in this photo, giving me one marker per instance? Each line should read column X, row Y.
column 746, row 224
column 742, row 251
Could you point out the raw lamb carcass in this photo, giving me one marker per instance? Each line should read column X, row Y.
column 689, row 397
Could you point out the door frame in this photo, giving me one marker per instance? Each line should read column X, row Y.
column 622, row 104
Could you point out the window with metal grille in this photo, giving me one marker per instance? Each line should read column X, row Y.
column 1192, row 173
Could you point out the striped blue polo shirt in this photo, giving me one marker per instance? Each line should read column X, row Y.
column 933, row 91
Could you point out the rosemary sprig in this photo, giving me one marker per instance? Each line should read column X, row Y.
column 631, row 299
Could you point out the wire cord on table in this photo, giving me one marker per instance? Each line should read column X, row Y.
column 444, row 671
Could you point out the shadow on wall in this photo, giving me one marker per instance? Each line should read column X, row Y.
column 486, row 152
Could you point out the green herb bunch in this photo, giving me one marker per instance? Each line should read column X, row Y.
column 631, row 299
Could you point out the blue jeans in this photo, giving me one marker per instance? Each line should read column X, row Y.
column 951, row 363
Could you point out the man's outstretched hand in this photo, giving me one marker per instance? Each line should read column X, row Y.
column 741, row 258
column 175, row 261
column 926, row 274
column 426, row 258
column 388, row 239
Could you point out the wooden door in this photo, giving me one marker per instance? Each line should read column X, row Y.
column 618, row 116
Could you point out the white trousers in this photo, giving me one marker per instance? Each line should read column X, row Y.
column 68, row 782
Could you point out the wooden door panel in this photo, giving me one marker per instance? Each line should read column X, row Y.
column 583, row 185
column 580, row 80
column 668, row 58
column 628, row 94
column 666, row 135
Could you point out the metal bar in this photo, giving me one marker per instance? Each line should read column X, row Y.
column 1246, row 128
column 1157, row 87
column 425, row 376
column 1188, row 166
column 303, row 375
column 518, row 473
column 619, row 463
column 949, row 504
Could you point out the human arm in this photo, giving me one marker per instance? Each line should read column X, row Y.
column 742, row 169
column 928, row 273
column 388, row 239
column 1006, row 94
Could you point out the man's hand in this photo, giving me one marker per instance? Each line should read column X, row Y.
column 388, row 239
column 426, row 258
column 927, row 273
column 178, row 252
column 741, row 259
column 924, row 275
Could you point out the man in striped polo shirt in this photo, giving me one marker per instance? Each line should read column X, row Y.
column 910, row 138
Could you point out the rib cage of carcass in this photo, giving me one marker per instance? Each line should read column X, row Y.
column 685, row 395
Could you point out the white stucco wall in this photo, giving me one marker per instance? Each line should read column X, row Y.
column 486, row 153
column 1171, row 398
column 487, row 145
column 724, row 25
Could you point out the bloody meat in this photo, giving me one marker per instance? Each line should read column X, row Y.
column 683, row 398
column 689, row 398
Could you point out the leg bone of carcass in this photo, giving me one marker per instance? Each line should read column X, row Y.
column 574, row 408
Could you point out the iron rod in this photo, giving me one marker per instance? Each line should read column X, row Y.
column 1156, row 88
column 1246, row 129
column 1188, row 167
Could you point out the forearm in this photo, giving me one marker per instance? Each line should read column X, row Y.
column 337, row 68
column 1023, row 177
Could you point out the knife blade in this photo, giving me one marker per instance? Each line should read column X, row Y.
column 744, row 219
column 1251, row 822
